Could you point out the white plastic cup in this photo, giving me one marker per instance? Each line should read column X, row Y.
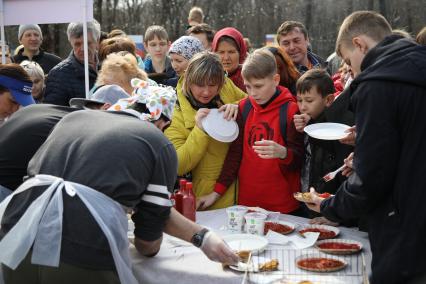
column 255, row 223
column 236, row 218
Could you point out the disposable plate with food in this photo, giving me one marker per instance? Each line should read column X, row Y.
column 246, row 242
column 326, row 232
column 306, row 196
column 339, row 246
column 257, row 264
column 320, row 263
column 281, row 227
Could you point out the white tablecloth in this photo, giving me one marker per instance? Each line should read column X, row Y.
column 179, row 262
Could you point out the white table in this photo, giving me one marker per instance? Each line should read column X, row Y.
column 179, row 262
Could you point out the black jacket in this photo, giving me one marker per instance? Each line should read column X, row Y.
column 46, row 60
column 389, row 99
column 326, row 155
column 21, row 136
column 66, row 81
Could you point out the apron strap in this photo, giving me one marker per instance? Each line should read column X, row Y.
column 41, row 228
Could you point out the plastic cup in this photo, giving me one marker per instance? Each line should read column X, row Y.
column 255, row 223
column 236, row 218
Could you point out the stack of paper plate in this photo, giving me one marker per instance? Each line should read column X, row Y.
column 219, row 128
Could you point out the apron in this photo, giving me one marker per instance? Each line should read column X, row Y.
column 4, row 192
column 41, row 229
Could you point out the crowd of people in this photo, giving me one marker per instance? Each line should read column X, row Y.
column 72, row 162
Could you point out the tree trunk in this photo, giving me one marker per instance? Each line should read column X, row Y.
column 308, row 19
column 382, row 8
column 370, row 4
column 98, row 10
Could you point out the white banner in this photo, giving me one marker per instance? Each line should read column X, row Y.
column 19, row 12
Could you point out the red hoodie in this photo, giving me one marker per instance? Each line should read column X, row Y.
column 268, row 183
column 233, row 33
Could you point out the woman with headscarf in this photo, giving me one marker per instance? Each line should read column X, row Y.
column 180, row 52
column 229, row 44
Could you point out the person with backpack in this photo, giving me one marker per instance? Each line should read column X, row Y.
column 267, row 155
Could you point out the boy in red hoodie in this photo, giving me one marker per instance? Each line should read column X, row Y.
column 266, row 161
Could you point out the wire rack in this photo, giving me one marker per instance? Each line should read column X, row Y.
column 288, row 272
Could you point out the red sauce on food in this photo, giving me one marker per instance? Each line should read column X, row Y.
column 324, row 195
column 334, row 245
column 320, row 263
column 276, row 227
column 324, row 234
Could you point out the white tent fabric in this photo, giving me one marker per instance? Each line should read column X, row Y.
column 19, row 12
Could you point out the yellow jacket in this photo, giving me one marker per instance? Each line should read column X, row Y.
column 197, row 152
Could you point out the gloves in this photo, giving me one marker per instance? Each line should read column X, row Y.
column 217, row 250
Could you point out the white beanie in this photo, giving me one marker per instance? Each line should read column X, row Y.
column 24, row 28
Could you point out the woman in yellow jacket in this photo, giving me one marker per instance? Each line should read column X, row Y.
column 204, row 86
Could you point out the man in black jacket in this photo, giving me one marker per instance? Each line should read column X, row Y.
column 388, row 184
column 30, row 37
column 293, row 37
column 66, row 80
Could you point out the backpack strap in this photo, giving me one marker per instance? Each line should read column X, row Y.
column 283, row 117
column 246, row 110
column 283, row 121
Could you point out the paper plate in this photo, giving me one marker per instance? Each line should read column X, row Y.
column 320, row 263
column 278, row 229
column 254, row 243
column 219, row 128
column 327, row 131
column 253, row 266
column 336, row 250
column 324, row 228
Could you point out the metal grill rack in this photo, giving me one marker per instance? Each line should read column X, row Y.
column 288, row 271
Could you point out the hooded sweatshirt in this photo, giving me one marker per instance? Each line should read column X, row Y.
column 267, row 183
column 388, row 185
column 234, row 34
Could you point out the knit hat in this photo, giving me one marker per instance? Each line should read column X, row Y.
column 186, row 46
column 24, row 28
column 158, row 100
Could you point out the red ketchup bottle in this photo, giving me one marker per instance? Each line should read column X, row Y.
column 179, row 195
column 188, row 202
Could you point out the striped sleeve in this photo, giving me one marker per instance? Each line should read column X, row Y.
column 154, row 208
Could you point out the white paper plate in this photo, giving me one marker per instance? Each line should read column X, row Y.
column 219, row 128
column 325, row 227
column 254, row 243
column 327, row 130
column 253, row 266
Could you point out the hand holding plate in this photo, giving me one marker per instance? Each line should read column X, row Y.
column 201, row 113
column 350, row 138
column 315, row 204
column 230, row 111
column 217, row 250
